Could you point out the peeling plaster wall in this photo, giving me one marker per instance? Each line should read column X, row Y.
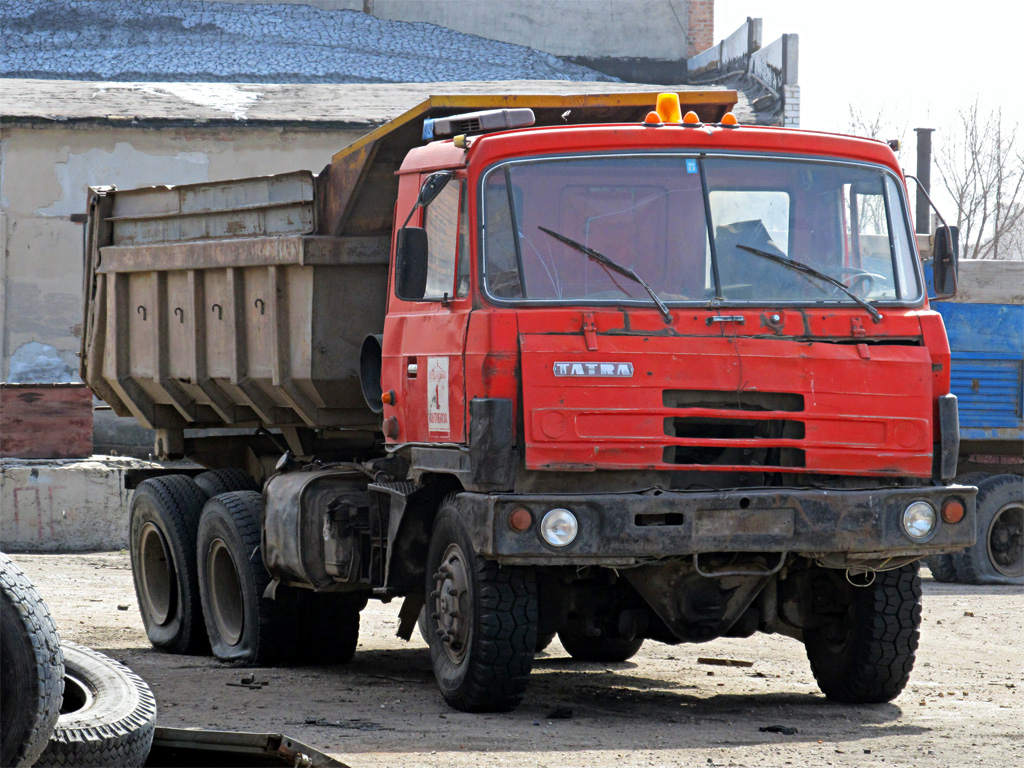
column 45, row 171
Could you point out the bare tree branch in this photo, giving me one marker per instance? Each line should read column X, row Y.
column 983, row 171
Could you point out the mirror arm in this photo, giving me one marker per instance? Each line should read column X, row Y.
column 949, row 235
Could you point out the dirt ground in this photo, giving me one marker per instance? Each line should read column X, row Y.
column 964, row 704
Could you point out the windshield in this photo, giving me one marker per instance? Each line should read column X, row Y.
column 652, row 215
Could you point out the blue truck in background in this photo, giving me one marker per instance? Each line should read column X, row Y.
column 985, row 325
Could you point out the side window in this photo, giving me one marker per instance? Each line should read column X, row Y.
column 441, row 222
column 462, row 286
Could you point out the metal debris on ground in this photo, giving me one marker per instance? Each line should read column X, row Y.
column 725, row 662
column 785, row 730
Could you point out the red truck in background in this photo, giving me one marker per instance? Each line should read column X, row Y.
column 569, row 365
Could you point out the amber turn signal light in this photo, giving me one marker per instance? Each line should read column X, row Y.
column 953, row 511
column 388, row 398
column 520, row 519
column 730, row 119
column 690, row 118
column 667, row 107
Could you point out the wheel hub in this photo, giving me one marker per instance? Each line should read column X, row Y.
column 225, row 593
column 158, row 579
column 452, row 607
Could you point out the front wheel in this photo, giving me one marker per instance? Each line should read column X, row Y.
column 863, row 649
column 481, row 621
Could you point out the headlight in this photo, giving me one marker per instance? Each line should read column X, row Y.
column 559, row 527
column 919, row 520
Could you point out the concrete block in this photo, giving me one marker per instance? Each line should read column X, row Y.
column 66, row 506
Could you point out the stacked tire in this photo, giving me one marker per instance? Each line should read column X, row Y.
column 64, row 704
column 31, row 669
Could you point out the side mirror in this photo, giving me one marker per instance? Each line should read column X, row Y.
column 945, row 260
column 411, row 263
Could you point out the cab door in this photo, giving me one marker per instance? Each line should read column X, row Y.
column 425, row 336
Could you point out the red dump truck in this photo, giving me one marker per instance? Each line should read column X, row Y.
column 580, row 366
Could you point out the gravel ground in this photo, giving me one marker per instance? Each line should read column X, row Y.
column 963, row 705
column 190, row 41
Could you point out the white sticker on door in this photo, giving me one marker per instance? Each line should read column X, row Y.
column 437, row 396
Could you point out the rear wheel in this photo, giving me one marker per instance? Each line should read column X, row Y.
column 218, row 481
column 31, row 669
column 328, row 624
column 164, row 520
column 583, row 647
column 242, row 624
column 998, row 556
column 481, row 621
column 863, row 649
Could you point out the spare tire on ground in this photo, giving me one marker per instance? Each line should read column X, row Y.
column 108, row 717
column 31, row 669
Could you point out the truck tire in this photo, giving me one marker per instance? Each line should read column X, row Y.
column 164, row 520
column 604, row 649
column 864, row 651
column 218, row 481
column 242, row 624
column 942, row 568
column 998, row 556
column 481, row 621
column 31, row 669
column 108, row 717
column 329, row 623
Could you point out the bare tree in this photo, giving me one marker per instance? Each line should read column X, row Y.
column 982, row 168
column 876, row 127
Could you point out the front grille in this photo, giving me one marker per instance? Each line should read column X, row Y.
column 733, row 401
column 732, row 440
column 704, row 427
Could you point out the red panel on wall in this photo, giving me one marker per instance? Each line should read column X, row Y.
column 45, row 421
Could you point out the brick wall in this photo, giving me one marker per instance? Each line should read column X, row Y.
column 791, row 106
column 700, row 22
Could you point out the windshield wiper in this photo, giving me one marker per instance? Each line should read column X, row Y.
column 799, row 266
column 600, row 258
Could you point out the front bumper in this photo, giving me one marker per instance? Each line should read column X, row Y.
column 622, row 529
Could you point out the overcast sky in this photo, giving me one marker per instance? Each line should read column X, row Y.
column 917, row 62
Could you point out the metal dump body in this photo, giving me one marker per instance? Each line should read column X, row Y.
column 223, row 304
column 245, row 303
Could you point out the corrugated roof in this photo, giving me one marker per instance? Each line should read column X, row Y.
column 351, row 104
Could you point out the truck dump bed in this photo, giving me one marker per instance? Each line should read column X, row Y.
column 245, row 303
